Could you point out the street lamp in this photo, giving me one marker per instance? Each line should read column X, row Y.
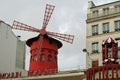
column 85, row 50
column 88, row 58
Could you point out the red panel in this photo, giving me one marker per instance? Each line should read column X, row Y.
column 103, row 72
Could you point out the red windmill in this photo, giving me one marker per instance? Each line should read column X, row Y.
column 44, row 48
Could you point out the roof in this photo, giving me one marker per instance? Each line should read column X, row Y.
column 109, row 40
column 106, row 4
column 31, row 40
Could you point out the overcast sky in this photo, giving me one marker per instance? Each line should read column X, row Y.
column 68, row 17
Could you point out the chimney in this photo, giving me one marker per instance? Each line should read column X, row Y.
column 90, row 4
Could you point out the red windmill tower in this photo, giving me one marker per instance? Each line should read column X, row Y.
column 43, row 48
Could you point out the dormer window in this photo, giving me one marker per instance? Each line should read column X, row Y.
column 95, row 13
column 117, row 8
column 106, row 11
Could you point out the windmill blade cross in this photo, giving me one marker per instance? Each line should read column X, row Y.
column 64, row 37
column 48, row 12
column 21, row 26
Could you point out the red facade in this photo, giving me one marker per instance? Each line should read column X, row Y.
column 109, row 51
column 43, row 55
column 108, row 72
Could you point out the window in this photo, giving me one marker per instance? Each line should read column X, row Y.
column 35, row 58
column 110, row 52
column 95, row 47
column 117, row 8
column 95, row 63
column 95, row 30
column 49, row 58
column 118, row 41
column 95, row 13
column 117, row 25
column 105, row 11
column 42, row 57
column 105, row 27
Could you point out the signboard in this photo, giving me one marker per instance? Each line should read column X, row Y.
column 29, row 74
column 10, row 75
column 42, row 72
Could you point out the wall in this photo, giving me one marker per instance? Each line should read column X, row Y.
column 8, row 43
column 20, row 54
column 12, row 50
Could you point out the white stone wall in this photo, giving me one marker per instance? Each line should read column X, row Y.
column 20, row 54
column 12, row 50
column 8, row 43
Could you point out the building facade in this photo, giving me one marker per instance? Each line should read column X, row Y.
column 103, row 21
column 12, row 50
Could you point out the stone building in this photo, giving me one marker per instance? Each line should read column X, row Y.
column 103, row 41
column 103, row 21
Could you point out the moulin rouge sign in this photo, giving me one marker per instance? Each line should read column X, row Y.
column 10, row 75
column 30, row 73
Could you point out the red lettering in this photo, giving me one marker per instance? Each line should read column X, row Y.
column 0, row 76
column 18, row 74
column 45, row 72
column 39, row 72
column 4, row 75
column 52, row 71
column 10, row 75
column 42, row 72
column 30, row 73
column 34, row 73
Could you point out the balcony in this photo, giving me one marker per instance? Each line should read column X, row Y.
column 102, row 14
